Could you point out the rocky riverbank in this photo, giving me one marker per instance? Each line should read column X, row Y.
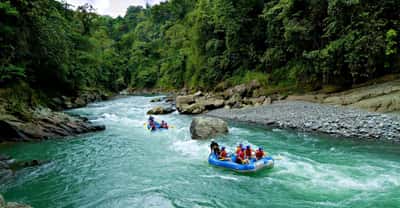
column 312, row 117
column 43, row 124
column 239, row 96
column 25, row 117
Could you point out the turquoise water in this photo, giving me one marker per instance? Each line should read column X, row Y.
column 128, row 166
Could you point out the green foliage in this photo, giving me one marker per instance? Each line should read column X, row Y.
column 198, row 44
column 11, row 72
column 391, row 42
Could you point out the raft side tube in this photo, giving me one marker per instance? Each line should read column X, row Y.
column 253, row 166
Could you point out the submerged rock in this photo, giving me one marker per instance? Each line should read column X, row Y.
column 206, row 127
column 3, row 204
column 159, row 110
column 5, row 171
column 155, row 100
column 9, row 165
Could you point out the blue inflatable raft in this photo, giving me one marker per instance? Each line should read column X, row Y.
column 158, row 125
column 253, row 166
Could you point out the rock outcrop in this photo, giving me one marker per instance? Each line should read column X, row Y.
column 206, row 127
column 235, row 97
column 160, row 110
column 383, row 97
column 81, row 100
column 44, row 124
column 3, row 204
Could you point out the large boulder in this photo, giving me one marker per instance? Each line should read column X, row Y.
column 243, row 90
column 194, row 108
column 254, row 101
column 184, row 101
column 235, row 101
column 238, row 89
column 206, row 127
column 159, row 110
column 210, row 103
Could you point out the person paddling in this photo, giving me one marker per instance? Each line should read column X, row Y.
column 240, row 157
column 164, row 124
column 239, row 148
column 214, row 147
column 248, row 152
column 223, row 155
column 260, row 153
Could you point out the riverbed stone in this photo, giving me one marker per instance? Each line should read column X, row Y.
column 206, row 127
column 304, row 116
column 16, row 205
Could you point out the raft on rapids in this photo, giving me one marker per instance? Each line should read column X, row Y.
column 253, row 166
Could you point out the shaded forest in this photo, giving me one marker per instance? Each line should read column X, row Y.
column 198, row 44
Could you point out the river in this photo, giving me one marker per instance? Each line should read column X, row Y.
column 128, row 166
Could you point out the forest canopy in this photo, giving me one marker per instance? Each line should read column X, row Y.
column 199, row 44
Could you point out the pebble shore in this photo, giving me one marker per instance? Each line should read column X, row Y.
column 310, row 117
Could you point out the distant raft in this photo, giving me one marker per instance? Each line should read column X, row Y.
column 157, row 125
column 253, row 166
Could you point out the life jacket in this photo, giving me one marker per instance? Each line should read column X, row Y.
column 223, row 154
column 238, row 149
column 240, row 155
column 259, row 153
column 248, row 152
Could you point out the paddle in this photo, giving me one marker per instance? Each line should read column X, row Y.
column 279, row 157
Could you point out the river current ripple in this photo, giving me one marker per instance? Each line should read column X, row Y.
column 128, row 166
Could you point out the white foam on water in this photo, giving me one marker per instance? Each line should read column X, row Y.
column 230, row 178
column 334, row 177
column 235, row 130
column 277, row 130
column 191, row 148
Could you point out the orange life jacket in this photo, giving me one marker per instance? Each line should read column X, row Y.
column 248, row 152
column 238, row 149
column 223, row 154
column 259, row 153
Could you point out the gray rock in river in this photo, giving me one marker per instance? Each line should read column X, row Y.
column 156, row 100
column 206, row 127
